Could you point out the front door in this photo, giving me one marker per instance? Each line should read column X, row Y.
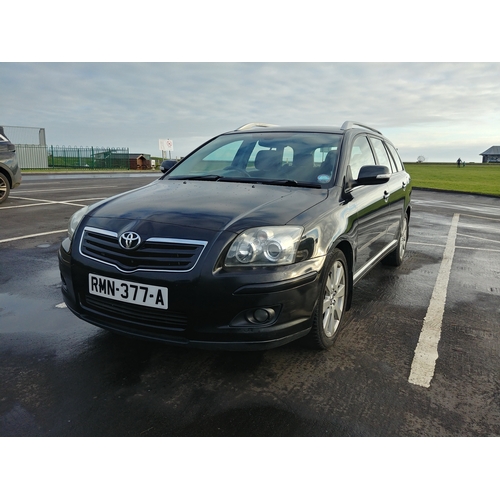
column 372, row 207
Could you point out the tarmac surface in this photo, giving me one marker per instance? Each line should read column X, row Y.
column 418, row 354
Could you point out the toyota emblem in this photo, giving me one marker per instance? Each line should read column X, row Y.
column 129, row 240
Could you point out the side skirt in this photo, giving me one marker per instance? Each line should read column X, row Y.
column 371, row 263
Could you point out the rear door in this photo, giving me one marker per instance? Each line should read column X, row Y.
column 393, row 190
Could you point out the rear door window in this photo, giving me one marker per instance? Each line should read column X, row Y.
column 381, row 153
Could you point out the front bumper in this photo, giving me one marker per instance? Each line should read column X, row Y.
column 217, row 310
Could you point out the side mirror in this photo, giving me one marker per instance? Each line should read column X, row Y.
column 167, row 165
column 372, row 174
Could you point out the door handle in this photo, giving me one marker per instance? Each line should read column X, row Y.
column 404, row 185
column 386, row 196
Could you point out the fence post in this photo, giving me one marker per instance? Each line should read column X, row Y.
column 41, row 137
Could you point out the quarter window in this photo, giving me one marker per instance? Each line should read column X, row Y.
column 397, row 159
column 391, row 159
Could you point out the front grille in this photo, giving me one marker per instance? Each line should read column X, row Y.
column 130, row 314
column 155, row 254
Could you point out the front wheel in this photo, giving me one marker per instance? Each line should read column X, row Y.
column 332, row 302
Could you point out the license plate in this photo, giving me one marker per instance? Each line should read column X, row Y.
column 128, row 291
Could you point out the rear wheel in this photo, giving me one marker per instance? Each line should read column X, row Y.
column 332, row 302
column 4, row 188
column 396, row 257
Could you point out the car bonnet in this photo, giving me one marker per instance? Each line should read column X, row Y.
column 205, row 205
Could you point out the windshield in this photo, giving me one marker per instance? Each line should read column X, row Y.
column 301, row 158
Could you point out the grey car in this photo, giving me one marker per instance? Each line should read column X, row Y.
column 10, row 173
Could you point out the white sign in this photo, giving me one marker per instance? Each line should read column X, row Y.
column 166, row 145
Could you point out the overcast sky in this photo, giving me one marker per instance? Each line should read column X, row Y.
column 441, row 111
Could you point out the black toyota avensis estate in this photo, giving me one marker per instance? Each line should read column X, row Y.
column 253, row 240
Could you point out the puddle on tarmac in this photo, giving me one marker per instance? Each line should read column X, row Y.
column 26, row 313
column 31, row 324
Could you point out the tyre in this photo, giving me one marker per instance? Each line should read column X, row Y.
column 4, row 188
column 332, row 301
column 396, row 257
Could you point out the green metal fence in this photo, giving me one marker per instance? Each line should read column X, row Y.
column 88, row 158
column 33, row 157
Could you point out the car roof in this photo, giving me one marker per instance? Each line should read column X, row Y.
column 265, row 127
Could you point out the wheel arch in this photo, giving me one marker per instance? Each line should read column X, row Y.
column 6, row 174
column 345, row 247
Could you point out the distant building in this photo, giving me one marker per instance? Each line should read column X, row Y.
column 491, row 155
column 140, row 162
column 135, row 161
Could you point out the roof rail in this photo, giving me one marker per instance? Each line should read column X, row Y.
column 253, row 125
column 348, row 125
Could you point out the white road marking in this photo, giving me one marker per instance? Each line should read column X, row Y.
column 477, row 238
column 62, row 305
column 24, row 191
column 46, row 202
column 49, row 202
column 480, row 217
column 32, row 235
column 38, row 205
column 425, row 244
column 426, row 352
column 411, row 243
column 479, row 249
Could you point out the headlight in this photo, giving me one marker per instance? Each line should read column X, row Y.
column 265, row 246
column 77, row 217
column 75, row 220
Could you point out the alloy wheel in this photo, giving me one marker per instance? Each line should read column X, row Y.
column 333, row 302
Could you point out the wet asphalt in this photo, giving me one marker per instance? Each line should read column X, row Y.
column 60, row 376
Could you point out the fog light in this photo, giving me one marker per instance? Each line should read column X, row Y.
column 261, row 316
column 257, row 318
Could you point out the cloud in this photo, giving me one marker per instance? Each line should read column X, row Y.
column 135, row 104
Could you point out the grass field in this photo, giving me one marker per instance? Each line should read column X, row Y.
column 476, row 178
column 473, row 178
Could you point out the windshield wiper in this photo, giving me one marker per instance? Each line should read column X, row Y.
column 209, row 177
column 249, row 180
column 289, row 182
